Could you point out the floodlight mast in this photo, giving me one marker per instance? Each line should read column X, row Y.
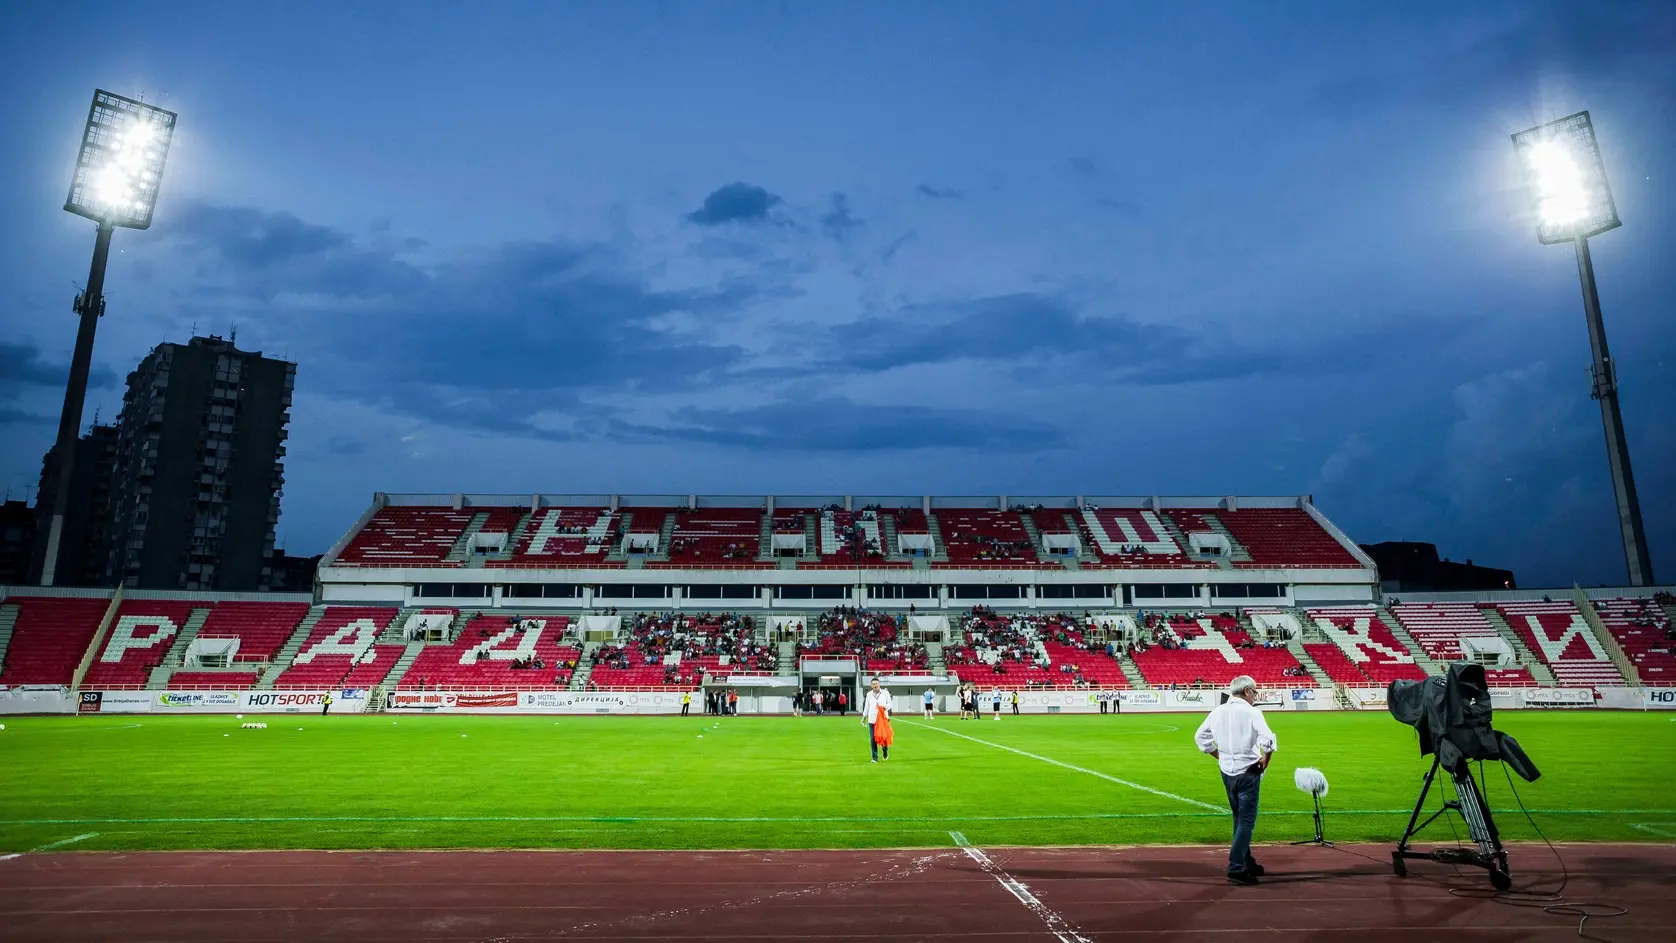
column 1573, row 202
column 118, row 170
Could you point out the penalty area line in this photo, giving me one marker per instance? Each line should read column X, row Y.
column 1077, row 769
column 1057, row 925
column 50, row 846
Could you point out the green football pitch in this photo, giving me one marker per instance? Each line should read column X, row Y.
column 450, row 781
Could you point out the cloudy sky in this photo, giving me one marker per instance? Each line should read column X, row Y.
column 902, row 248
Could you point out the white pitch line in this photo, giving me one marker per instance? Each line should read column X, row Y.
column 50, row 846
column 1078, row 769
column 1061, row 928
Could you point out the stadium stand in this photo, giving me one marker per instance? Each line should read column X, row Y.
column 712, row 536
column 49, row 638
column 1557, row 633
column 846, row 539
column 340, row 650
column 677, row 651
column 986, row 537
column 406, row 535
column 1283, row 537
column 1131, row 537
column 139, row 637
column 260, row 627
column 1439, row 627
column 498, row 651
column 1643, row 631
column 565, row 537
column 1211, row 651
column 1360, row 640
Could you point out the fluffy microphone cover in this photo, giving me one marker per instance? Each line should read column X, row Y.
column 1310, row 780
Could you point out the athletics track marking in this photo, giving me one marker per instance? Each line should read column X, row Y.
column 1061, row 929
column 1048, row 759
column 50, row 846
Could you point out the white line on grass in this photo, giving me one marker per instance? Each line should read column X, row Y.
column 1061, row 929
column 1078, row 769
column 1661, row 829
column 746, row 820
column 50, row 846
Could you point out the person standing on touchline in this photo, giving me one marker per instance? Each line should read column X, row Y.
column 1238, row 737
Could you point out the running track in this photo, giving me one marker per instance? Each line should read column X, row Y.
column 992, row 895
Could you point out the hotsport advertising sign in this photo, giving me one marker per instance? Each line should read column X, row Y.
column 1661, row 698
column 219, row 702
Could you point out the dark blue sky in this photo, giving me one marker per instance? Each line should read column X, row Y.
column 907, row 248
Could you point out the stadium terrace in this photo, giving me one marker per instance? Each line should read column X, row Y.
column 625, row 603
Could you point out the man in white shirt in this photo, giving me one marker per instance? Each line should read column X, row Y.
column 1238, row 736
column 876, row 703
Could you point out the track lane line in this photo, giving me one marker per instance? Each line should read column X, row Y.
column 1057, row 925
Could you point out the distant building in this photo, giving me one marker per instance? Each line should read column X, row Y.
column 84, row 542
column 17, row 541
column 1406, row 567
column 292, row 574
column 199, row 468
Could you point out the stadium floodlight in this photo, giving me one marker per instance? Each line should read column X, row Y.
column 118, row 172
column 120, row 166
column 1567, row 181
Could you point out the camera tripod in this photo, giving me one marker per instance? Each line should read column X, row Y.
column 1469, row 802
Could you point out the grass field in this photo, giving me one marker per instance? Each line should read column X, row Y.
column 383, row 781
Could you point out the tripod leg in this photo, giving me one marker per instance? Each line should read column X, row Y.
column 1482, row 827
column 1398, row 866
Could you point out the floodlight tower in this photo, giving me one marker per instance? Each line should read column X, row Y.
column 118, row 171
column 1567, row 180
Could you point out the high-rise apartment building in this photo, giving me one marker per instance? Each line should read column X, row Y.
column 84, row 544
column 199, row 468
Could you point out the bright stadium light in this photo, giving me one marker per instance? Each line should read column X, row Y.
column 1567, row 181
column 118, row 172
column 121, row 162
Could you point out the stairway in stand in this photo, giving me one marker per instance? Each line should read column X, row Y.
column 584, row 667
column 461, row 551
column 1521, row 652
column 8, row 623
column 176, row 655
column 288, row 651
column 1422, row 659
column 939, row 550
column 1130, row 671
column 1296, row 647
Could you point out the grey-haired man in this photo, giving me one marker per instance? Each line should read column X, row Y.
column 1238, row 736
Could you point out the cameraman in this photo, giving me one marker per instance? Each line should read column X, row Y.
column 1239, row 738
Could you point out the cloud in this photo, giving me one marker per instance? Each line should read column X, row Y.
column 938, row 193
column 21, row 365
column 838, row 220
column 345, row 445
column 839, row 425
column 481, row 342
column 735, row 203
column 1084, row 166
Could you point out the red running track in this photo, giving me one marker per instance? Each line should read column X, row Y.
column 1150, row 893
